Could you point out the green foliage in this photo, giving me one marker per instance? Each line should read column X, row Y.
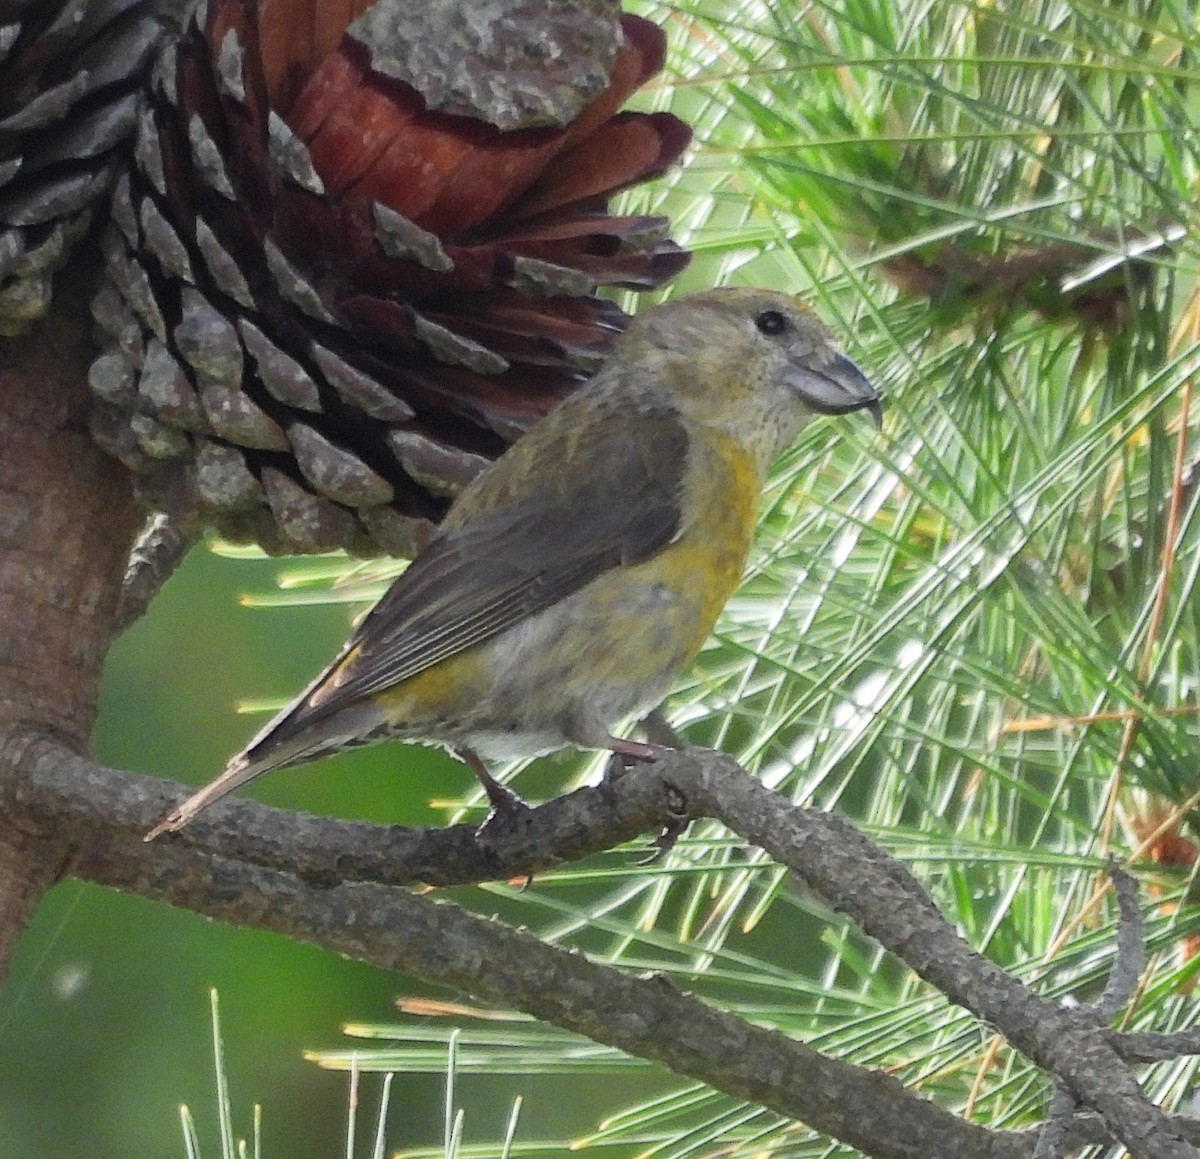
column 977, row 635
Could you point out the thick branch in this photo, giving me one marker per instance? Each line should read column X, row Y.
column 880, row 896
column 645, row 1016
column 72, row 793
column 849, row 871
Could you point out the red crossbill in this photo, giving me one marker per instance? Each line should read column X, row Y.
column 576, row 576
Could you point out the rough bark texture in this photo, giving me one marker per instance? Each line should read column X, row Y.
column 67, row 519
column 234, row 865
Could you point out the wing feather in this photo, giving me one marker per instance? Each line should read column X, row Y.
column 619, row 502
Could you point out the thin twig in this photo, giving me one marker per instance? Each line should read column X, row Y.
column 159, row 550
column 1130, row 958
column 1122, row 981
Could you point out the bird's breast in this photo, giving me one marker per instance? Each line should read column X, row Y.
column 614, row 647
column 626, row 635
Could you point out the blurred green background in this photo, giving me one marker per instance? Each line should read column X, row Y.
column 104, row 1024
column 105, row 1021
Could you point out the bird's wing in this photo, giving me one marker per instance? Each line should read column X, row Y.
column 618, row 502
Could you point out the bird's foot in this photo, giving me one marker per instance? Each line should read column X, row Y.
column 625, row 755
column 508, row 813
column 674, row 828
column 506, row 818
column 665, row 841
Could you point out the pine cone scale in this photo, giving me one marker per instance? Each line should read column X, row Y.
column 69, row 74
column 323, row 350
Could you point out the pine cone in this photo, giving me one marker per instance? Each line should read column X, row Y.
column 337, row 290
column 69, row 77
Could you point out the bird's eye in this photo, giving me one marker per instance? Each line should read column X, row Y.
column 771, row 322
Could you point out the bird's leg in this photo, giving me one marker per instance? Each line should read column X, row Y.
column 626, row 753
column 501, row 797
column 629, row 752
column 636, row 750
column 659, row 731
column 506, row 806
column 660, row 736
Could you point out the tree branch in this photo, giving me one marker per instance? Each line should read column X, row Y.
column 437, row 941
column 158, row 550
column 878, row 894
column 234, row 866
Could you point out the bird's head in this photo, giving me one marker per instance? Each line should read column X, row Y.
column 755, row 362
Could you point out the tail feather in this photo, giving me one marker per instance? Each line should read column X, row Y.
column 237, row 773
column 296, row 735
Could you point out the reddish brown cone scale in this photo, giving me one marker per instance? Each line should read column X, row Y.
column 337, row 291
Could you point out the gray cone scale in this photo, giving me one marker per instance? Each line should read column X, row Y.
column 311, row 347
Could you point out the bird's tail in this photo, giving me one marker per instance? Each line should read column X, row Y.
column 239, row 770
column 296, row 735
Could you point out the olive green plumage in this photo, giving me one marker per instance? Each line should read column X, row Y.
column 572, row 581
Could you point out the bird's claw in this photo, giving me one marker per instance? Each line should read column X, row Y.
column 671, row 831
column 507, row 817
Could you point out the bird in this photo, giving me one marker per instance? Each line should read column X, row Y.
column 574, row 578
